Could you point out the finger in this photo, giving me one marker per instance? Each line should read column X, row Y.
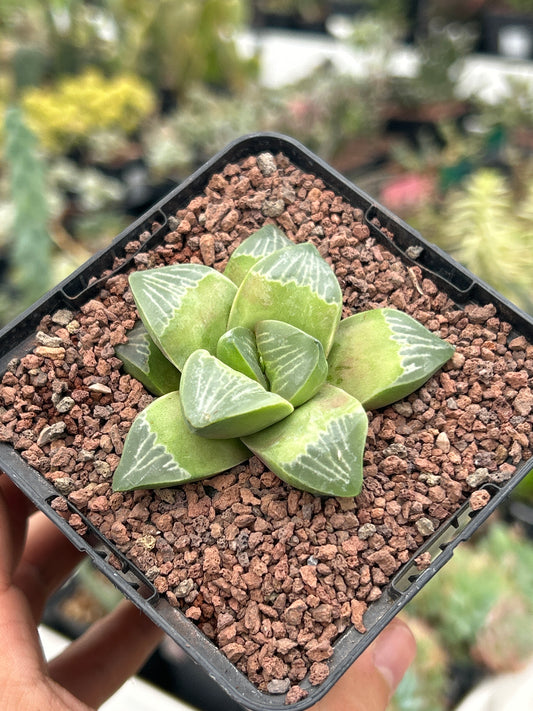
column 21, row 652
column 14, row 511
column 371, row 680
column 47, row 560
column 111, row 651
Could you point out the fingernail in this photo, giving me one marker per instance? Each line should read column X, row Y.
column 394, row 650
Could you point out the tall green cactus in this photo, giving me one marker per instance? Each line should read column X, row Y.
column 30, row 249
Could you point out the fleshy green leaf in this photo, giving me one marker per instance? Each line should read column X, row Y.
column 265, row 241
column 160, row 450
column 184, row 307
column 237, row 349
column 144, row 361
column 319, row 448
column 294, row 361
column 221, row 402
column 384, row 355
column 294, row 285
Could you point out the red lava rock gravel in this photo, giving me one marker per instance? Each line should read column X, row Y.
column 271, row 574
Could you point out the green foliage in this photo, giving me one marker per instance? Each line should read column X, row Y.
column 328, row 108
column 30, row 248
column 513, row 110
column 394, row 12
column 524, row 6
column 51, row 38
column 524, row 490
column 281, row 320
column 408, row 356
column 323, row 112
column 435, row 77
column 176, row 44
column 461, row 604
column 490, row 231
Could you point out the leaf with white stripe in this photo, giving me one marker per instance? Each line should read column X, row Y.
column 383, row 355
column 237, row 348
column 221, row 402
column 294, row 361
column 319, row 448
column 183, row 306
column 143, row 360
column 294, row 285
column 160, row 450
column 264, row 241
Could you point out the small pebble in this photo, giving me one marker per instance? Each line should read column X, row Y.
column 278, row 686
column 425, row 526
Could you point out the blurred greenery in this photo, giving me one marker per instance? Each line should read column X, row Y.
column 30, row 252
column 473, row 613
column 125, row 98
column 524, row 490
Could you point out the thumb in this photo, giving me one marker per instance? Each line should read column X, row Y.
column 372, row 679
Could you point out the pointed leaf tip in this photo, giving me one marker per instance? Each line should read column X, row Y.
column 160, row 450
column 259, row 244
column 142, row 359
column 183, row 306
column 384, row 355
column 221, row 402
column 294, row 285
column 319, row 448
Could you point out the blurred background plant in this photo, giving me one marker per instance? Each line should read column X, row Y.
column 108, row 104
column 471, row 621
column 125, row 98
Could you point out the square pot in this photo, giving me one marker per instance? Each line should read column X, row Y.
column 390, row 241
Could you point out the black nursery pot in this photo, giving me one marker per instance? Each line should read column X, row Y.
column 18, row 338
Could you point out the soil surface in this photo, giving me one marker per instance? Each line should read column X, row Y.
column 271, row 574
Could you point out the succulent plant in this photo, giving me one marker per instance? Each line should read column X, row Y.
column 267, row 367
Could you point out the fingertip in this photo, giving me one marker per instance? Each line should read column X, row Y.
column 393, row 652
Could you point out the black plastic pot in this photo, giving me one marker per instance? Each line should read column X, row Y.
column 17, row 339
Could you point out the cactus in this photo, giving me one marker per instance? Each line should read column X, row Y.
column 31, row 245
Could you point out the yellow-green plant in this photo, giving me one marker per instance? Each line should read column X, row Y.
column 78, row 106
column 267, row 366
column 491, row 231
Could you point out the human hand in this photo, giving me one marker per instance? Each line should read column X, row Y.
column 370, row 682
column 35, row 558
column 93, row 667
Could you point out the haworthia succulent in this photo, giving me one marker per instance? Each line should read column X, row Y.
column 220, row 402
column 264, row 241
column 383, row 355
column 319, row 448
column 294, row 285
column 144, row 361
column 184, row 307
column 294, row 361
column 237, row 349
column 160, row 450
